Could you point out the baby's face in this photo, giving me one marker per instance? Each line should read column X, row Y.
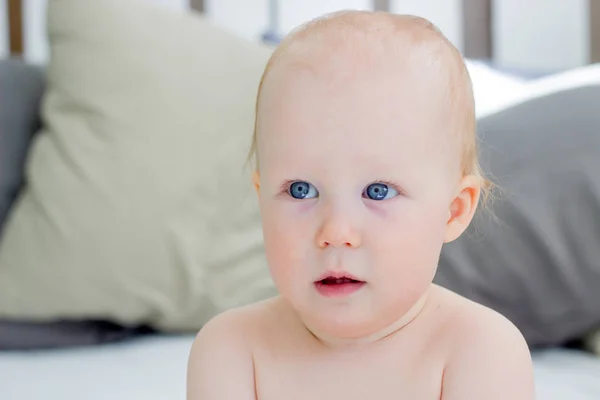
column 355, row 186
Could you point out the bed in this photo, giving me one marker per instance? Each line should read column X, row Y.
column 154, row 367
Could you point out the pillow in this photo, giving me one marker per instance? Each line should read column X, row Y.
column 592, row 342
column 138, row 208
column 492, row 86
column 23, row 335
column 21, row 88
column 538, row 261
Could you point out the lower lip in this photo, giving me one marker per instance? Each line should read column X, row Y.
column 339, row 290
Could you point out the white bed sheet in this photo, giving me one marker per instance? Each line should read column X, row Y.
column 155, row 369
column 151, row 368
column 563, row 374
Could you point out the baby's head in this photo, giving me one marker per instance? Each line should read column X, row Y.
column 366, row 164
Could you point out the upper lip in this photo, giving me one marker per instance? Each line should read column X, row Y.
column 338, row 275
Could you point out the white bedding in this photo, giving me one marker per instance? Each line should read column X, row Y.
column 567, row 374
column 144, row 369
column 155, row 369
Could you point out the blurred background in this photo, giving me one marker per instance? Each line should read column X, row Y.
column 124, row 125
column 533, row 37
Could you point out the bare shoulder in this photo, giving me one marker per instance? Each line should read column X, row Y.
column 488, row 356
column 222, row 353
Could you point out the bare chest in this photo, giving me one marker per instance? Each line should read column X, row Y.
column 381, row 375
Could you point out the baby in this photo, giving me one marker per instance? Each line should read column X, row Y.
column 366, row 164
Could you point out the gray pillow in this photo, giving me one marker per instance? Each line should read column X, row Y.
column 21, row 88
column 21, row 335
column 539, row 262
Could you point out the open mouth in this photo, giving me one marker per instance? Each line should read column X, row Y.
column 337, row 281
column 332, row 286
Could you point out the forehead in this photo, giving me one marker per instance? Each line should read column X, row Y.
column 349, row 109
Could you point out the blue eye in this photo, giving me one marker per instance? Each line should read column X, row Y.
column 302, row 190
column 380, row 191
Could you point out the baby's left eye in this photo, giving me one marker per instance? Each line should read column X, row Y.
column 380, row 191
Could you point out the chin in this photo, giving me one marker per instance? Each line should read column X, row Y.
column 342, row 323
column 357, row 321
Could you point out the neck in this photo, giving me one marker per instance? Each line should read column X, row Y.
column 375, row 336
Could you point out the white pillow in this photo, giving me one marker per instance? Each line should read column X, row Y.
column 138, row 208
column 492, row 87
column 571, row 79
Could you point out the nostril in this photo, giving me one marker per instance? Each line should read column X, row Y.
column 347, row 244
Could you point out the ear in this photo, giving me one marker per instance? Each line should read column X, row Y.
column 256, row 181
column 462, row 208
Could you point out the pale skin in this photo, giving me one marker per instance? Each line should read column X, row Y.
column 341, row 118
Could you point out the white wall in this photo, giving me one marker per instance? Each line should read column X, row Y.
column 35, row 40
column 245, row 18
column 293, row 14
column 250, row 18
column 541, row 34
column 446, row 14
column 3, row 30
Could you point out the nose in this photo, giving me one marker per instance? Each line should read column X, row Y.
column 339, row 229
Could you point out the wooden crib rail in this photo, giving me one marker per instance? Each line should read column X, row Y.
column 15, row 26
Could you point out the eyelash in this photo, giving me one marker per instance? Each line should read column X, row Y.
column 285, row 187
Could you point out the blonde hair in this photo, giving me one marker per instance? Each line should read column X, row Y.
column 461, row 91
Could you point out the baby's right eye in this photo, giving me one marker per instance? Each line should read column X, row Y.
column 302, row 190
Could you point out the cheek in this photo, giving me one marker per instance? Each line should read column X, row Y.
column 286, row 238
column 408, row 244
